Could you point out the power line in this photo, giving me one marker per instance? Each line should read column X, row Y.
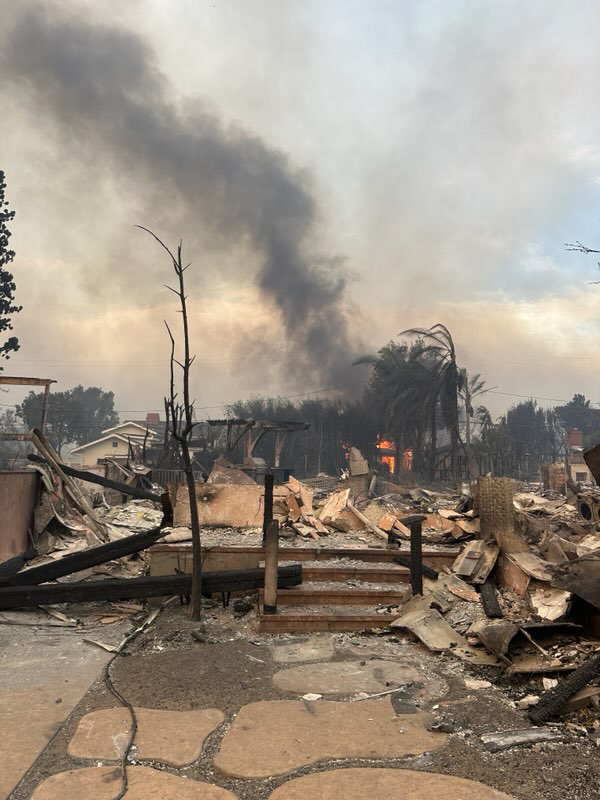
column 315, row 392
column 532, row 397
column 204, row 408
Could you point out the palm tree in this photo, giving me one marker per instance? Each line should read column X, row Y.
column 437, row 353
column 395, row 390
column 473, row 386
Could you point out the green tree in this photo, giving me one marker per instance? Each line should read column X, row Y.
column 578, row 413
column 7, row 283
column 75, row 415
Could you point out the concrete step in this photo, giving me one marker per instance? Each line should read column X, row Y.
column 368, row 574
column 167, row 558
column 294, row 619
column 308, row 595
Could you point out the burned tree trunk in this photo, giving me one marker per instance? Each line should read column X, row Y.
column 181, row 420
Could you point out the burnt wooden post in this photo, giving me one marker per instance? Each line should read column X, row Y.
column 45, row 408
column 268, row 515
column 271, row 559
column 417, row 568
column 416, row 557
column 489, row 600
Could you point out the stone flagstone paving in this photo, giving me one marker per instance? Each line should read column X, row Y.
column 314, row 649
column 346, row 677
column 103, row 783
column 274, row 737
column 383, row 784
column 172, row 737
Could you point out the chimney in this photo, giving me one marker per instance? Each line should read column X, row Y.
column 575, row 438
column 152, row 418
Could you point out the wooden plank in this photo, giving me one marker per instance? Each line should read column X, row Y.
column 121, row 589
column 13, row 380
column 366, row 521
column 301, row 623
column 387, row 521
column 307, row 595
column 84, row 559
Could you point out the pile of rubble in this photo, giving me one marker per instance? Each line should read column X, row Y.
column 522, row 595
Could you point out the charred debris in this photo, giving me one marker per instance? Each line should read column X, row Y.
column 503, row 576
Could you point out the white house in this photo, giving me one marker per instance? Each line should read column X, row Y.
column 115, row 443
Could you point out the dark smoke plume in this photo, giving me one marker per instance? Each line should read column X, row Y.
column 103, row 88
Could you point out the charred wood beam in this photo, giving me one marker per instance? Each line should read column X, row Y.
column 417, row 570
column 84, row 559
column 268, row 512
column 406, row 561
column 416, row 557
column 107, row 483
column 489, row 600
column 234, row 580
column 12, row 565
column 553, row 700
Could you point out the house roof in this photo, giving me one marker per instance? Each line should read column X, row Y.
column 97, row 441
column 157, row 427
column 142, row 428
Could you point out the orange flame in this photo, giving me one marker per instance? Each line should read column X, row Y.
column 387, row 458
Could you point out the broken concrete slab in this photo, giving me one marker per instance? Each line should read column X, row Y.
column 274, row 737
column 224, row 471
column 504, row 740
column 346, row 677
column 315, row 649
column 227, row 506
column 173, row 737
column 431, row 628
column 103, row 783
column 383, row 784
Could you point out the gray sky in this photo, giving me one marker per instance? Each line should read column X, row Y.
column 338, row 171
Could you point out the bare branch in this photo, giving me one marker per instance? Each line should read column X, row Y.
column 160, row 241
column 181, row 419
column 578, row 247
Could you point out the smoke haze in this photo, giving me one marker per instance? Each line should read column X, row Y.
column 103, row 89
column 446, row 150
